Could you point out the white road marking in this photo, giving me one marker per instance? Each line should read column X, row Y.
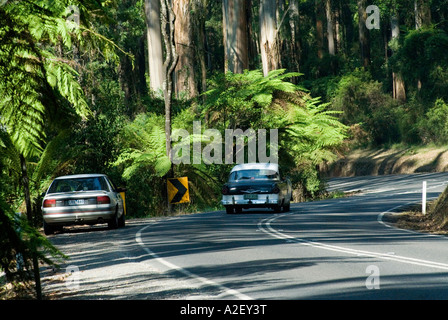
column 187, row 273
column 265, row 226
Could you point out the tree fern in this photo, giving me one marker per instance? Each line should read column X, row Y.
column 308, row 132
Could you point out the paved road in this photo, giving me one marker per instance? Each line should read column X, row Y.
column 333, row 249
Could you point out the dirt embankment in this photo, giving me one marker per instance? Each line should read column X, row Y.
column 402, row 161
column 390, row 161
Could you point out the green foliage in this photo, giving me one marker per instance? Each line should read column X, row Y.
column 422, row 61
column 363, row 101
column 240, row 99
column 32, row 75
column 434, row 127
column 308, row 132
column 143, row 162
column 144, row 144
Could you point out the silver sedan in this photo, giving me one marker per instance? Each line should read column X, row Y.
column 82, row 199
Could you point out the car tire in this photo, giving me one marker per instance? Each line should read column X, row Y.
column 122, row 220
column 113, row 223
column 230, row 210
column 238, row 209
column 48, row 230
column 287, row 207
column 278, row 208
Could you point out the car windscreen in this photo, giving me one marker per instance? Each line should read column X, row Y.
column 78, row 184
column 254, row 174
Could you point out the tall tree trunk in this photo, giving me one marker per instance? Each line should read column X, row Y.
column 236, row 57
column 320, row 16
column 268, row 34
column 363, row 34
column 201, row 49
column 330, row 28
column 169, row 64
column 155, row 52
column 337, row 27
column 184, row 73
column 399, row 92
column 295, row 41
column 422, row 12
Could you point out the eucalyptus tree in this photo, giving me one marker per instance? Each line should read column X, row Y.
column 235, row 35
column 155, row 51
column 184, row 72
column 268, row 36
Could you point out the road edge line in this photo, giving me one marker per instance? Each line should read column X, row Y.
column 187, row 273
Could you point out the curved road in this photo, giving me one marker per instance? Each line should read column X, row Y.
column 333, row 249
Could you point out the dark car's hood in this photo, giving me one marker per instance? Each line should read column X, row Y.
column 251, row 186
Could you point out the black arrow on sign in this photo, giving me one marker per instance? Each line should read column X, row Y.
column 181, row 190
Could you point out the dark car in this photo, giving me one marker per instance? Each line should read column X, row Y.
column 82, row 199
column 256, row 185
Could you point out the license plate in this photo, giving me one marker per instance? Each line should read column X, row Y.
column 251, row 196
column 75, row 202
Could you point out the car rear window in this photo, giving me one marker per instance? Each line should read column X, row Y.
column 254, row 174
column 78, row 184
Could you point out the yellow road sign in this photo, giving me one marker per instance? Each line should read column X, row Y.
column 178, row 190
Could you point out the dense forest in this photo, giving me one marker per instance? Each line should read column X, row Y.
column 99, row 86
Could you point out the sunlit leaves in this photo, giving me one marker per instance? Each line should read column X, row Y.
column 32, row 75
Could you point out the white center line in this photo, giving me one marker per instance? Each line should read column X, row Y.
column 232, row 292
column 265, row 226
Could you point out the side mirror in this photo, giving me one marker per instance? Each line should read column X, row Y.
column 121, row 189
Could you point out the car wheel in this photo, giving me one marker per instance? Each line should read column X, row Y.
column 48, row 230
column 278, row 208
column 229, row 210
column 238, row 209
column 122, row 220
column 113, row 223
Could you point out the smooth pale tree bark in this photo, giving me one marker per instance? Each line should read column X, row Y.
column 155, row 52
column 330, row 28
column 235, row 36
column 184, row 75
column 268, row 34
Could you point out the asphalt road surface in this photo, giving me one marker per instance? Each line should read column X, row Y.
column 332, row 249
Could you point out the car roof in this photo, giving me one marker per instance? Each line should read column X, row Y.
column 86, row 175
column 249, row 166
